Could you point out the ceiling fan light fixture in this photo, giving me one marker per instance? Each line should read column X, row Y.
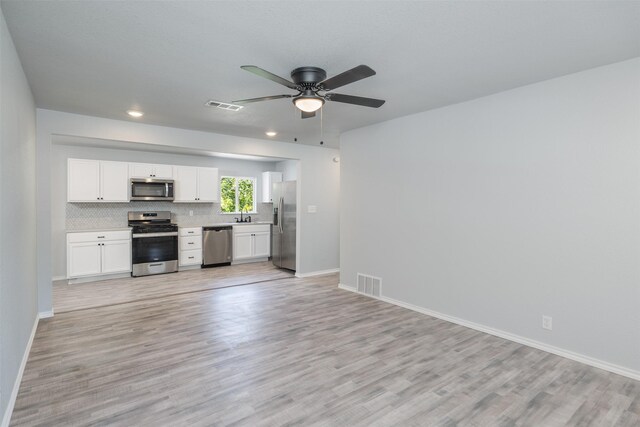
column 308, row 104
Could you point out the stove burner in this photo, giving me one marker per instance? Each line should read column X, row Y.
column 153, row 228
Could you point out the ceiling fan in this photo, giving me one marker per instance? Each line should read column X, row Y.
column 309, row 82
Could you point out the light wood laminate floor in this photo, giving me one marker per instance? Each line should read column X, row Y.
column 299, row 352
column 77, row 296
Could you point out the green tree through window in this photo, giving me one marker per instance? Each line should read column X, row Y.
column 237, row 193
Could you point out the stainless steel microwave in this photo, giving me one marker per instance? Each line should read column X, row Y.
column 151, row 189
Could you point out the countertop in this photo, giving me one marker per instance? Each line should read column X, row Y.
column 93, row 230
column 219, row 224
column 226, row 224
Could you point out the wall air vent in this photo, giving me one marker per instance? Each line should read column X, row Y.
column 369, row 285
column 223, row 105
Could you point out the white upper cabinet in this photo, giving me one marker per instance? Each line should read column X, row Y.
column 148, row 170
column 185, row 184
column 195, row 185
column 97, row 181
column 114, row 182
column 83, row 180
column 268, row 178
column 208, row 185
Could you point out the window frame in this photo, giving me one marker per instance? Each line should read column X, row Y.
column 254, row 210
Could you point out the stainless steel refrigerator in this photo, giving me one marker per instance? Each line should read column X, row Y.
column 283, row 231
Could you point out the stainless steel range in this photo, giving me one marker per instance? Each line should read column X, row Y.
column 155, row 243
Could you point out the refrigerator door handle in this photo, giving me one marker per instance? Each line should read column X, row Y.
column 281, row 214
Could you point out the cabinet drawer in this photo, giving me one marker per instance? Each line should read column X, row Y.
column 192, row 231
column 98, row 236
column 193, row 257
column 251, row 228
column 190, row 242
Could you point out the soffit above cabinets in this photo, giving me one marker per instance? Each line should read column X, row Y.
column 155, row 148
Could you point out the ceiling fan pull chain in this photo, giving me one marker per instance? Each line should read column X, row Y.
column 321, row 126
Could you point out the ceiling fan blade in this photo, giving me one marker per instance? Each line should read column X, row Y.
column 306, row 115
column 263, row 98
column 267, row 75
column 356, row 100
column 353, row 75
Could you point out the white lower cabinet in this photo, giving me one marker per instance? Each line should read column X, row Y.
column 98, row 252
column 251, row 242
column 84, row 259
column 193, row 257
column 116, row 256
column 262, row 244
column 190, row 245
column 242, row 243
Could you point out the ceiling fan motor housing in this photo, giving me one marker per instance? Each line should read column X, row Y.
column 308, row 76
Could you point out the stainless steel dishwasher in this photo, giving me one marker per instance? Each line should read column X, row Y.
column 217, row 246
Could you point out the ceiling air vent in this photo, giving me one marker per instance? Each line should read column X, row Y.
column 223, row 105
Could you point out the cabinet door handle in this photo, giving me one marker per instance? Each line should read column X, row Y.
column 100, row 237
column 189, row 243
column 191, row 257
column 189, row 232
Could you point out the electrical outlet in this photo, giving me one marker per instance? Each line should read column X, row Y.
column 547, row 322
column 190, row 213
column 312, row 209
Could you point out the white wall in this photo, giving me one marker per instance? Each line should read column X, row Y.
column 289, row 169
column 60, row 154
column 18, row 291
column 508, row 207
column 318, row 181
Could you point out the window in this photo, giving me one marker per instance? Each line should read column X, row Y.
column 237, row 193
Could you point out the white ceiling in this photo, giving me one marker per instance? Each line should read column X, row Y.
column 167, row 58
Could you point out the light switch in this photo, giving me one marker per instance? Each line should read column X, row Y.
column 312, row 209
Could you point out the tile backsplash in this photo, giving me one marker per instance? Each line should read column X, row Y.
column 90, row 216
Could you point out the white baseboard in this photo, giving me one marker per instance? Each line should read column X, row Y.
column 587, row 360
column 250, row 260
column 58, row 278
column 318, row 273
column 90, row 279
column 6, row 418
column 45, row 314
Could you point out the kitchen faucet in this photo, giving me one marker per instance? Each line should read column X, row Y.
column 247, row 219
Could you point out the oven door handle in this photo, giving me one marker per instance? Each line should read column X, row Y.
column 143, row 235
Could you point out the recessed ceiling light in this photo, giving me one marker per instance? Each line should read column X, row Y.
column 271, row 133
column 134, row 113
